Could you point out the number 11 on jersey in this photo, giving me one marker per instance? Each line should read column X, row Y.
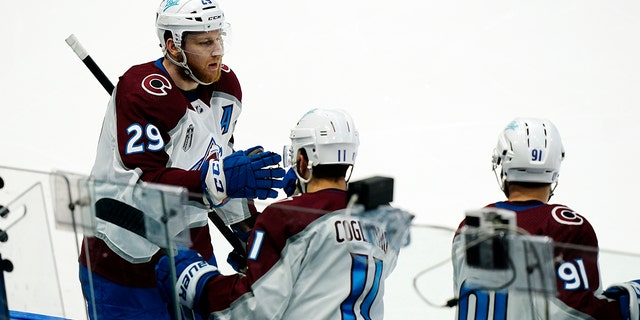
column 361, row 287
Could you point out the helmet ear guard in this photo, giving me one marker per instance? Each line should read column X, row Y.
column 287, row 156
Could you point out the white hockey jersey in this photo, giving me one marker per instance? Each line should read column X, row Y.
column 155, row 132
column 308, row 261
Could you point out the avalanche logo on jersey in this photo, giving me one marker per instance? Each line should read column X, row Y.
column 214, row 151
column 156, row 84
column 564, row 215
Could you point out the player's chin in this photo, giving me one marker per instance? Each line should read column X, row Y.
column 210, row 75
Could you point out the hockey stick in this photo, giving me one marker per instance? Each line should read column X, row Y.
column 130, row 218
column 239, row 253
column 75, row 45
column 122, row 215
column 73, row 42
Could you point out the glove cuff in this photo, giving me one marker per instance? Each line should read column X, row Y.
column 632, row 289
column 213, row 183
column 192, row 281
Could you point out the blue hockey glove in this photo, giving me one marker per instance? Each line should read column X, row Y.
column 628, row 295
column 242, row 174
column 237, row 258
column 237, row 261
column 248, row 175
column 290, row 182
column 192, row 273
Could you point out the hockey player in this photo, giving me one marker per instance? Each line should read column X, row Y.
column 528, row 156
column 306, row 260
column 171, row 121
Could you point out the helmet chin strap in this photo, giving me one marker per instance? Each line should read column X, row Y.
column 302, row 181
column 501, row 182
column 184, row 66
column 349, row 172
column 553, row 188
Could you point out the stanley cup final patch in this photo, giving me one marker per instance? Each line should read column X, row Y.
column 188, row 139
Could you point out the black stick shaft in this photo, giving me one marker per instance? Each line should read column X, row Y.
column 97, row 72
column 122, row 215
column 227, row 233
column 73, row 42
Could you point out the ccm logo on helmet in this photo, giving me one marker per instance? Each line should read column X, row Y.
column 156, row 84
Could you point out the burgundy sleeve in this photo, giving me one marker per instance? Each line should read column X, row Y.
column 578, row 273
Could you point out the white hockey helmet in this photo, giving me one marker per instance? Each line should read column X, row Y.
column 528, row 150
column 179, row 16
column 328, row 136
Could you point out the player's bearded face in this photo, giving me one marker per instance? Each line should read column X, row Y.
column 204, row 55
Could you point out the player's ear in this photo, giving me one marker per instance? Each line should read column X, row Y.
column 172, row 49
column 301, row 166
